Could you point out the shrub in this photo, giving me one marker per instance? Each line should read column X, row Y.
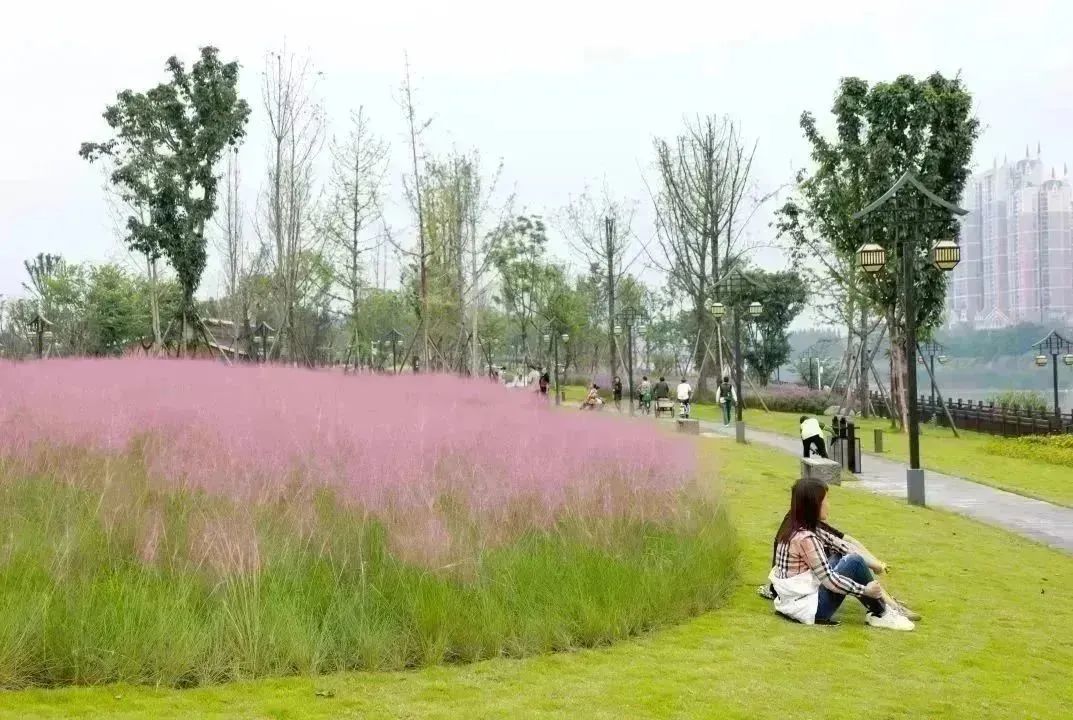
column 184, row 523
column 1023, row 399
column 790, row 398
column 1053, row 449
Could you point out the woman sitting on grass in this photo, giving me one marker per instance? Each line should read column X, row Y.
column 837, row 545
column 807, row 588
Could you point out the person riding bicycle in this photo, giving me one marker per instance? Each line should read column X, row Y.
column 685, row 395
column 646, row 395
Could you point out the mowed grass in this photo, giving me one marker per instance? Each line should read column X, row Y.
column 995, row 643
column 965, row 457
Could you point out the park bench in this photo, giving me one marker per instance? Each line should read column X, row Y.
column 664, row 405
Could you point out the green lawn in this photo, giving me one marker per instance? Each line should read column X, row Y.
column 965, row 457
column 995, row 642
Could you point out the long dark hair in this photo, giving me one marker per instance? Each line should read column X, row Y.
column 806, row 497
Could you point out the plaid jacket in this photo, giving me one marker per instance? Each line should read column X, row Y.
column 805, row 551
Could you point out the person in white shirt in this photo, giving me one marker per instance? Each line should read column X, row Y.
column 685, row 394
column 812, row 435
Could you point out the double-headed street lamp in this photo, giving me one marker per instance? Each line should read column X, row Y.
column 629, row 316
column 905, row 223
column 1054, row 345
column 732, row 288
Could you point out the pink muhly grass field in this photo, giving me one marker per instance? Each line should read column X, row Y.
column 392, row 446
column 184, row 522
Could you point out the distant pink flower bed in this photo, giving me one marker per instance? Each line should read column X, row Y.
column 382, row 442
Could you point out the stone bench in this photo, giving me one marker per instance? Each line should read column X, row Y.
column 689, row 427
column 828, row 471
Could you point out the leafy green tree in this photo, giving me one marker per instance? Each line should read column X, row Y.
column 167, row 143
column 518, row 256
column 882, row 130
column 783, row 295
column 115, row 310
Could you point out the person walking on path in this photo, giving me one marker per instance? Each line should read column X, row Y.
column 544, row 382
column 616, row 392
column 685, row 394
column 812, row 435
column 646, row 395
column 807, row 588
column 726, row 398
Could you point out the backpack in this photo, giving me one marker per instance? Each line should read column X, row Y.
column 726, row 391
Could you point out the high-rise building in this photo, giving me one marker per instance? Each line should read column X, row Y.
column 1016, row 248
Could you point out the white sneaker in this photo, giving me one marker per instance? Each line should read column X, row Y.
column 891, row 620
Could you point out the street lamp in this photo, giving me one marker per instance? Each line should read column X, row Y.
column 394, row 336
column 733, row 286
column 629, row 316
column 932, row 350
column 909, row 218
column 1054, row 345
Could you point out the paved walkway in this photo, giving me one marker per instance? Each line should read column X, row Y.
column 1043, row 521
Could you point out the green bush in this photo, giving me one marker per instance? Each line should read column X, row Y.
column 1023, row 399
column 1052, row 449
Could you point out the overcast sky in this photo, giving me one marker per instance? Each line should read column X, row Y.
column 565, row 93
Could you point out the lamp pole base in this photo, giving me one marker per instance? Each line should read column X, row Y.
column 914, row 486
column 739, row 431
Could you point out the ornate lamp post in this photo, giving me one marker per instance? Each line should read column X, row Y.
column 1054, row 345
column 733, row 286
column 906, row 222
column 629, row 316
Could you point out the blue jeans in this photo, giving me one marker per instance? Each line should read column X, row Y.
column 853, row 567
column 726, row 411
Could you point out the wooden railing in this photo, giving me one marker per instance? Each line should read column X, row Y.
column 989, row 418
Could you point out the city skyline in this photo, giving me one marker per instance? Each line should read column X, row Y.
column 1017, row 246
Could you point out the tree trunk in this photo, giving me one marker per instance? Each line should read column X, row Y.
column 862, row 377
column 897, row 373
column 154, row 306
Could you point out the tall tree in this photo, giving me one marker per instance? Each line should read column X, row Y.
column 600, row 230
column 359, row 162
column 518, row 255
column 702, row 208
column 233, row 247
column 415, row 130
column 167, row 144
column 296, row 135
column 882, row 130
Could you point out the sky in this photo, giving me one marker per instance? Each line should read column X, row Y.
column 565, row 94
